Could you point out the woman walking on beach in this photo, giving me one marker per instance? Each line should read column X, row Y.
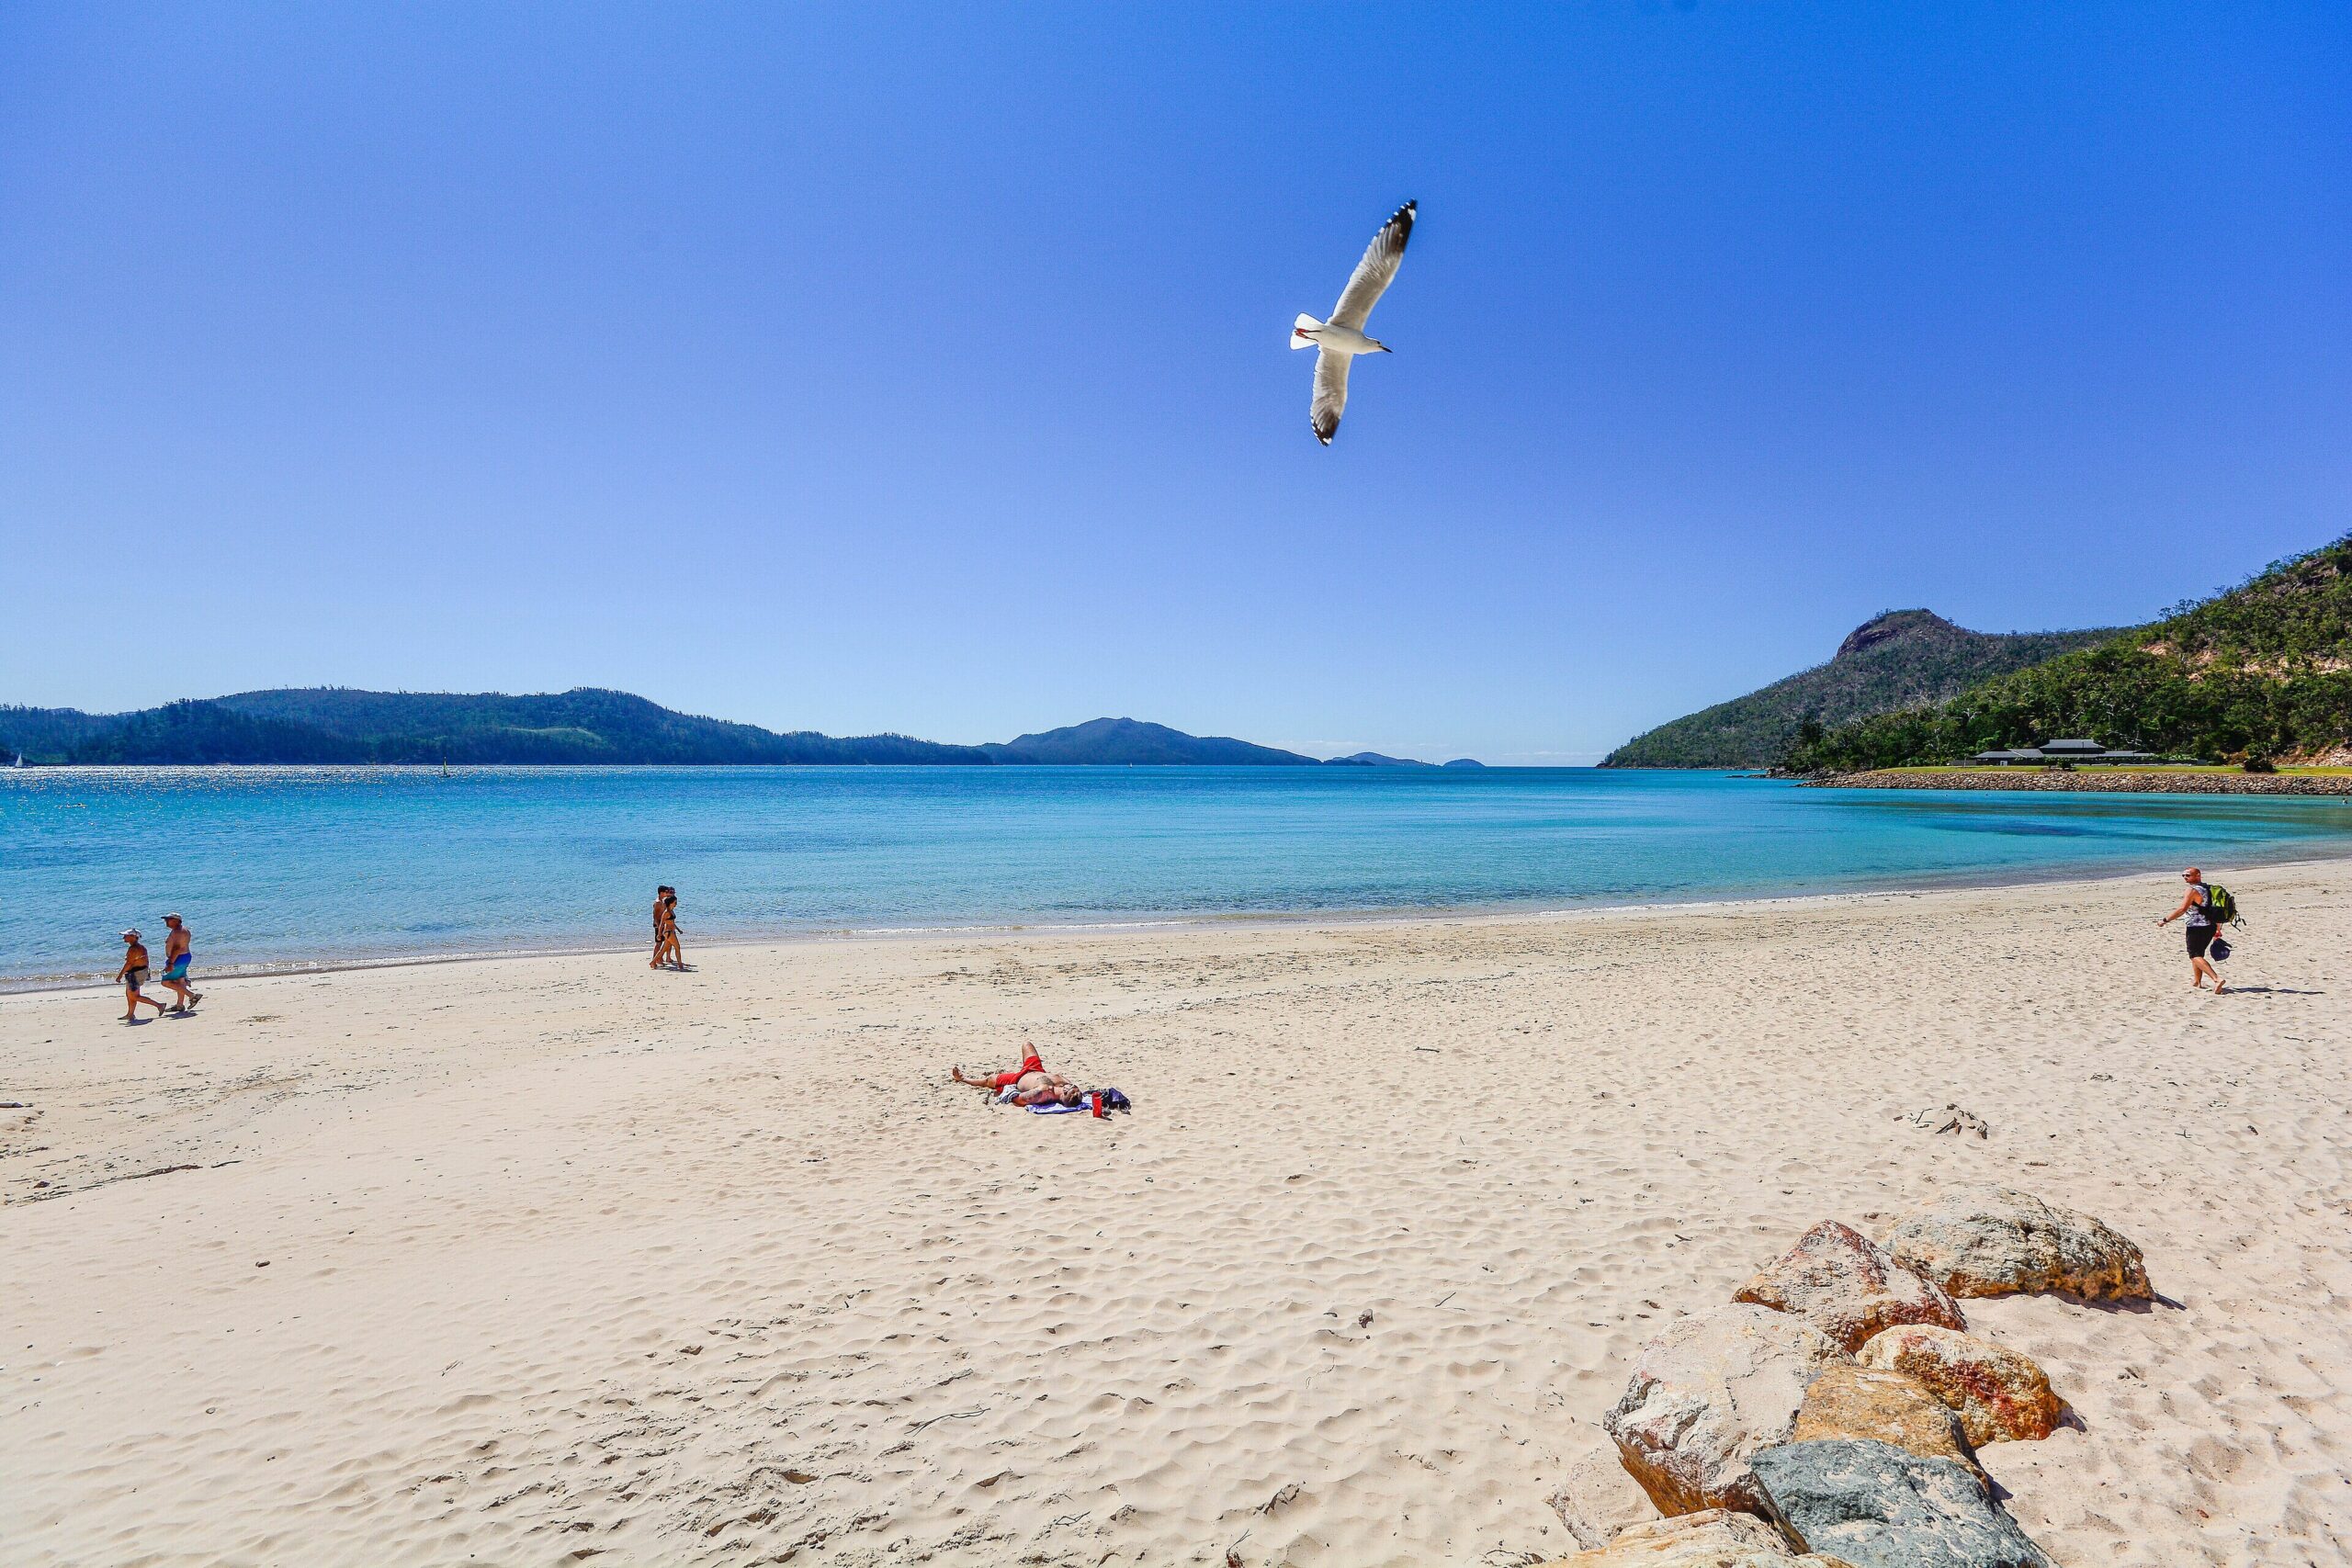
column 134, row 974
column 665, row 929
column 2202, row 931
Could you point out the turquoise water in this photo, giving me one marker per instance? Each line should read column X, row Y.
column 286, row 866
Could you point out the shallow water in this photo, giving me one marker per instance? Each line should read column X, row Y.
column 300, row 865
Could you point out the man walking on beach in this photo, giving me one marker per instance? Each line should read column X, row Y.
column 2202, row 931
column 176, row 958
column 134, row 974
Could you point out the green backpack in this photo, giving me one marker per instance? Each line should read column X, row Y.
column 2221, row 907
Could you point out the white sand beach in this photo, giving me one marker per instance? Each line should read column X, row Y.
column 558, row 1260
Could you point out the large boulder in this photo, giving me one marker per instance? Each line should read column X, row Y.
column 1997, row 1393
column 1841, row 1282
column 1707, row 1393
column 1993, row 1241
column 1876, row 1506
column 1710, row 1539
column 1877, row 1404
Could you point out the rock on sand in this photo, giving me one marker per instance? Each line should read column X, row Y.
column 1845, row 1285
column 1992, row 1241
column 1875, row 1505
column 1705, row 1394
column 1879, row 1405
column 1998, row 1393
column 1710, row 1539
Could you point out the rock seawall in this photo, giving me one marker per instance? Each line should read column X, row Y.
column 2093, row 781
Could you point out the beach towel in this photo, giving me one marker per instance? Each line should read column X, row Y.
column 1054, row 1108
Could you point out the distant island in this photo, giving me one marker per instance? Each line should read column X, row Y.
column 1895, row 660
column 335, row 725
column 1127, row 742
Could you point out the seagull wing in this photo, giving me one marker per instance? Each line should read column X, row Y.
column 1331, row 392
column 1375, row 272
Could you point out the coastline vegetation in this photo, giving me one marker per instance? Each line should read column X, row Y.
column 2259, row 672
column 1895, row 660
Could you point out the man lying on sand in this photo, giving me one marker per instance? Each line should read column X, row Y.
column 1031, row 1084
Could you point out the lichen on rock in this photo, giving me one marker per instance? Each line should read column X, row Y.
column 1847, row 1286
column 1995, row 1241
column 1996, row 1391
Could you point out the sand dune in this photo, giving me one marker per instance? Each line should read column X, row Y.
column 559, row 1260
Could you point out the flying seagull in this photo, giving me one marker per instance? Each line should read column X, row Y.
column 1341, row 338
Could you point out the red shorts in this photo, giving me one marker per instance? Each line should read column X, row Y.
column 1029, row 1064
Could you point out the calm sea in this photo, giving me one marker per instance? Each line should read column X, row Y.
column 274, row 866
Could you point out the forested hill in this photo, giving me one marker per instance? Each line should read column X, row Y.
column 1899, row 659
column 1116, row 742
column 333, row 725
column 2261, row 670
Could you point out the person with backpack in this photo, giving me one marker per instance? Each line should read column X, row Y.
column 2207, row 909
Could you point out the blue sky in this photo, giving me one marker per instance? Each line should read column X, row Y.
column 923, row 367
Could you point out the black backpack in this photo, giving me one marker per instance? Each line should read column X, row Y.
column 2221, row 905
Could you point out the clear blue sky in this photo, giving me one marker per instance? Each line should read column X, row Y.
column 923, row 368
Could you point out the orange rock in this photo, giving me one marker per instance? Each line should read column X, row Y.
column 1998, row 1393
column 1882, row 1406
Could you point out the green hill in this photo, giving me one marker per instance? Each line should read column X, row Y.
column 333, row 725
column 2262, row 669
column 1899, row 659
column 584, row 725
column 1112, row 742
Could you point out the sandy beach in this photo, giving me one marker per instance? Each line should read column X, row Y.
column 557, row 1260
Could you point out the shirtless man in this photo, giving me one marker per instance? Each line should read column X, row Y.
column 134, row 974
column 176, row 958
column 1031, row 1084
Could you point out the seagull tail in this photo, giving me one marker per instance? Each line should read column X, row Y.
column 1300, row 327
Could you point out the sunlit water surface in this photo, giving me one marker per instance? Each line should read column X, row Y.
column 295, row 865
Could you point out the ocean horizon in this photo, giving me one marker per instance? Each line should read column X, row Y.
column 294, row 867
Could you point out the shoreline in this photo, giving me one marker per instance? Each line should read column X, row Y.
column 1305, row 920
column 2084, row 782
